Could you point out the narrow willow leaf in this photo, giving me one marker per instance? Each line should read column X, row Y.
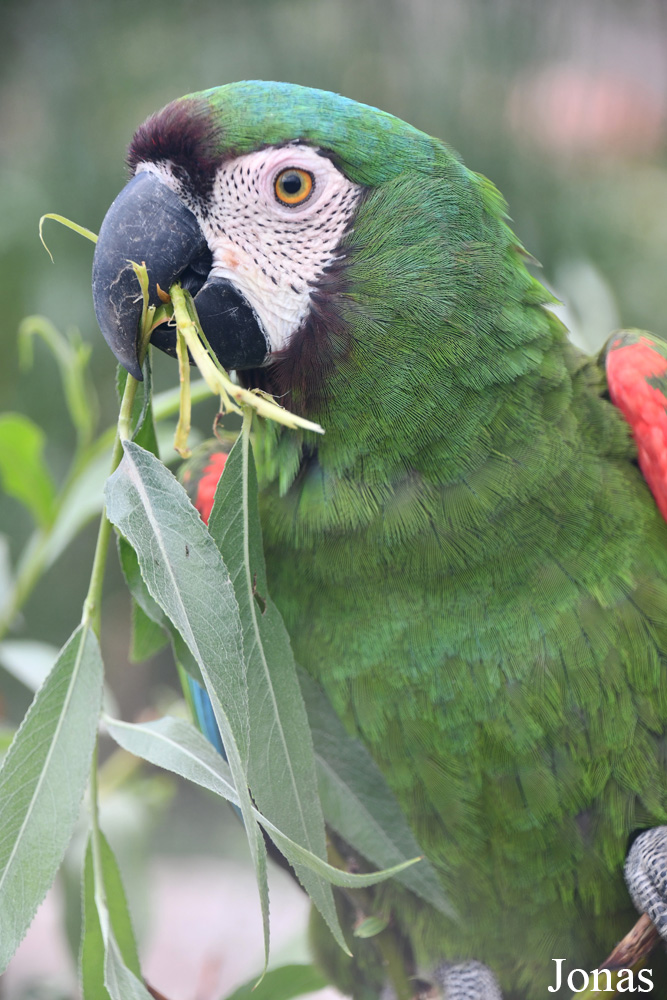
column 120, row 981
column 81, row 230
column 91, row 959
column 42, row 781
column 358, row 803
column 184, row 657
column 151, row 629
column 91, row 955
column 371, row 927
column 282, row 773
column 129, row 564
column 154, row 618
column 186, row 576
column 22, row 468
column 72, row 356
column 146, row 638
column 177, row 746
column 150, row 626
column 282, row 984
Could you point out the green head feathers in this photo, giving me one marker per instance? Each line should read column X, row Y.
column 421, row 301
column 369, row 145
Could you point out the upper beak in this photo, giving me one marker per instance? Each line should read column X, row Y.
column 148, row 223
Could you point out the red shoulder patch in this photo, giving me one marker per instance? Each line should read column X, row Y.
column 637, row 378
column 208, row 484
column 201, row 474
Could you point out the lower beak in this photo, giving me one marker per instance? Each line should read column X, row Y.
column 148, row 223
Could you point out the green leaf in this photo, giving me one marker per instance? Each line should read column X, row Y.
column 183, row 569
column 184, row 657
column 22, row 470
column 146, row 638
column 81, row 230
column 177, row 746
column 120, row 981
column 282, row 984
column 282, row 773
column 370, row 927
column 92, row 956
column 72, row 355
column 358, row 803
column 42, row 781
column 149, row 623
column 129, row 563
column 148, row 616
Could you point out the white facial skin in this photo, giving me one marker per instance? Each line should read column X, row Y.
column 272, row 252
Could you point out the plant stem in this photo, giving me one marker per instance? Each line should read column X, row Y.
column 91, row 605
column 92, row 618
column 185, row 409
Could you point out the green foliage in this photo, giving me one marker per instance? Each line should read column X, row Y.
column 72, row 356
column 370, row 927
column 22, row 469
column 282, row 984
column 42, row 781
column 151, row 509
column 117, row 917
column 179, row 747
column 205, row 590
column 281, row 765
column 60, row 512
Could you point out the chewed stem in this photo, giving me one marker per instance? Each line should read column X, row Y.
column 232, row 397
column 185, row 408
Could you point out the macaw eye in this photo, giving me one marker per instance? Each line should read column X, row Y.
column 293, row 186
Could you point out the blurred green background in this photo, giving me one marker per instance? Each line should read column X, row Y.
column 562, row 104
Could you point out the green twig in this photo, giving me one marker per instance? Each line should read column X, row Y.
column 91, row 605
column 91, row 617
column 185, row 410
column 232, row 397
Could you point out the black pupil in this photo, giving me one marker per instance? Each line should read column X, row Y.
column 291, row 182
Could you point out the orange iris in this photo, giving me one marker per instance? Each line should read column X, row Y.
column 293, row 186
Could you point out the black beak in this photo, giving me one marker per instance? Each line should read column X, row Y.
column 149, row 222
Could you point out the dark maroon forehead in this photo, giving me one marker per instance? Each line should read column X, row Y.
column 185, row 133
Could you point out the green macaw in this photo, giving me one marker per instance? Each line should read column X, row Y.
column 469, row 561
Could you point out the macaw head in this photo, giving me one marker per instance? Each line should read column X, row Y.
column 323, row 240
